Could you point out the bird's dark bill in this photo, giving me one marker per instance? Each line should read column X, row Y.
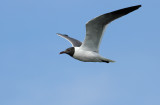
column 62, row 52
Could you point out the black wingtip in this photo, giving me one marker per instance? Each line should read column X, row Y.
column 127, row 10
column 134, row 7
column 137, row 6
column 61, row 34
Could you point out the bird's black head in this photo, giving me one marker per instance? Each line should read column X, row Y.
column 70, row 51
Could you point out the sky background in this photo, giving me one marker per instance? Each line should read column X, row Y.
column 33, row 73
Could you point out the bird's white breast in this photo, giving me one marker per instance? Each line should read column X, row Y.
column 86, row 56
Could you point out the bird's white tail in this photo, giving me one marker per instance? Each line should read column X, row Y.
column 107, row 60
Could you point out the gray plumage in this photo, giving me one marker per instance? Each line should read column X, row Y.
column 74, row 42
column 96, row 26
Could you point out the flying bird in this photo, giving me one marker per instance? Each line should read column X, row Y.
column 88, row 51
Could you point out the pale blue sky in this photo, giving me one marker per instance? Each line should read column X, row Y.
column 33, row 73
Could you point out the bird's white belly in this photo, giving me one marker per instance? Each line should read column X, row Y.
column 86, row 56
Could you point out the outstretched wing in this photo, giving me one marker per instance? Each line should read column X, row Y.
column 96, row 26
column 74, row 42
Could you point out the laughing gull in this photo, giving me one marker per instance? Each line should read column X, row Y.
column 88, row 51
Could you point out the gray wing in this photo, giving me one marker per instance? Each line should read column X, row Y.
column 74, row 42
column 96, row 26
